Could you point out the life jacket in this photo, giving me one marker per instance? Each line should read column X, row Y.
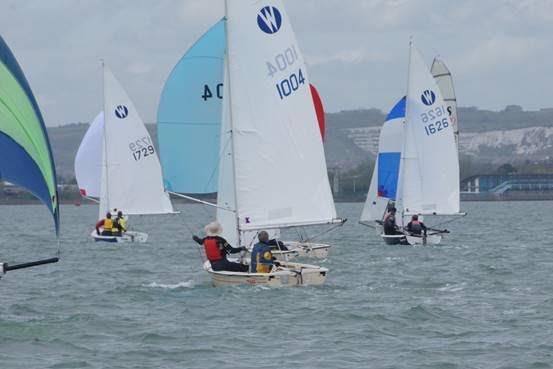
column 262, row 259
column 212, row 250
column 108, row 224
column 123, row 224
column 416, row 227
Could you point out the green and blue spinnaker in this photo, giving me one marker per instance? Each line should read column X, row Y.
column 26, row 158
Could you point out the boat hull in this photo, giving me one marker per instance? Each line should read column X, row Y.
column 288, row 275
column 431, row 239
column 128, row 237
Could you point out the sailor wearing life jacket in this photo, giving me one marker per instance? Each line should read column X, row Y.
column 119, row 224
column 389, row 222
column 217, row 248
column 106, row 224
column 415, row 227
column 262, row 258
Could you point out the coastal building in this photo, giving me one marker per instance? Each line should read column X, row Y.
column 507, row 187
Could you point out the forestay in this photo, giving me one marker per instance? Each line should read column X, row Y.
column 131, row 179
column 88, row 161
column 279, row 165
column 26, row 158
column 429, row 178
column 189, row 115
column 384, row 181
column 443, row 78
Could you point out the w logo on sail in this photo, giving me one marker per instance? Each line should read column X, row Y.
column 428, row 97
column 269, row 19
column 121, row 111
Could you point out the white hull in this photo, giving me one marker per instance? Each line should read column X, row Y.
column 288, row 275
column 302, row 249
column 431, row 239
column 129, row 236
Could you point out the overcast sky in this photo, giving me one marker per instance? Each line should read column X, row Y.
column 500, row 51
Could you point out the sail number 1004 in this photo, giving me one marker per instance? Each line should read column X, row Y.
column 433, row 120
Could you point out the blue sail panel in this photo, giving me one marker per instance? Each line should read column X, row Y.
column 398, row 111
column 388, row 174
column 22, row 170
column 189, row 116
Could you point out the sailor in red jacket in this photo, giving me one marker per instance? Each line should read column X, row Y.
column 217, row 248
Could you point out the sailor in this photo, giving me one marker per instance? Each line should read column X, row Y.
column 390, row 226
column 119, row 224
column 262, row 258
column 415, row 227
column 106, row 224
column 217, row 248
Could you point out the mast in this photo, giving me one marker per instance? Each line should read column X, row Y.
column 399, row 202
column 105, row 143
column 229, row 97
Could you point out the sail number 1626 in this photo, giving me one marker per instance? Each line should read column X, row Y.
column 435, row 120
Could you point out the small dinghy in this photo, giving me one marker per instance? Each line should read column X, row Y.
column 117, row 164
column 417, row 167
column 269, row 134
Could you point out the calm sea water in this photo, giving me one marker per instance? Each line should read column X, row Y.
column 482, row 299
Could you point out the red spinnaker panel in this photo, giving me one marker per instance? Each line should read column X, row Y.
column 318, row 103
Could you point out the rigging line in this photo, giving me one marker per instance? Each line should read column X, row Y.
column 450, row 220
column 309, row 239
column 192, row 233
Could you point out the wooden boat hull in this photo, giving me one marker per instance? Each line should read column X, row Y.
column 289, row 275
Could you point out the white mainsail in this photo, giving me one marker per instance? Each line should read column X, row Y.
column 279, row 173
column 429, row 176
column 443, row 78
column 226, row 203
column 88, row 161
column 383, row 187
column 131, row 177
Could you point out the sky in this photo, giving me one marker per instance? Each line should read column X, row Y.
column 500, row 52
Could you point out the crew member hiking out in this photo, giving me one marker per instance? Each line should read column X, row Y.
column 217, row 248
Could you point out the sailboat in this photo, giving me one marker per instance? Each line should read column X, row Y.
column 189, row 122
column 27, row 159
column 130, row 173
column 272, row 171
column 417, row 168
